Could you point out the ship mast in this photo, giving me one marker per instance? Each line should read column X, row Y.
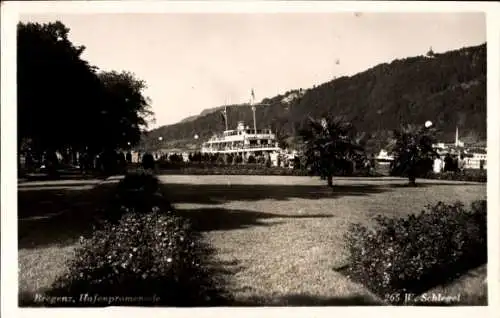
column 252, row 101
column 224, row 112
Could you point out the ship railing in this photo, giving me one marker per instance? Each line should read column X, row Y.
column 241, row 148
column 260, row 136
column 258, row 132
column 261, row 146
column 248, row 136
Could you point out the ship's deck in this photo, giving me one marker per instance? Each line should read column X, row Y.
column 239, row 138
column 246, row 148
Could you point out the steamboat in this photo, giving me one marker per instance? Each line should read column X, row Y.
column 243, row 140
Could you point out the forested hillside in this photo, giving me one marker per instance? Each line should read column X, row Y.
column 448, row 89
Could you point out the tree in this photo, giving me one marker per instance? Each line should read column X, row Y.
column 58, row 92
column 65, row 105
column 328, row 143
column 412, row 150
column 278, row 127
column 430, row 53
column 128, row 109
column 471, row 137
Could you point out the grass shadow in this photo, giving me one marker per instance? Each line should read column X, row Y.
column 217, row 219
column 54, row 217
column 33, row 202
column 218, row 194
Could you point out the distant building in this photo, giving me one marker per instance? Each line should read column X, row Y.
column 475, row 157
column 384, row 155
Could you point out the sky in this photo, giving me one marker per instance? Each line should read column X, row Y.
column 192, row 61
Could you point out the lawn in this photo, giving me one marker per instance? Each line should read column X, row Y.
column 280, row 238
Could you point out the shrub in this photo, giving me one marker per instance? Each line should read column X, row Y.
column 410, row 255
column 139, row 181
column 138, row 192
column 155, row 256
column 175, row 158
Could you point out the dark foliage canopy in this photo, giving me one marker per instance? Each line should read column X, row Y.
column 64, row 102
column 328, row 143
column 412, row 149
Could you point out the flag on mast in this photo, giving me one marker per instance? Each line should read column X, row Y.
column 253, row 96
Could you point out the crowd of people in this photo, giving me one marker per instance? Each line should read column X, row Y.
column 450, row 163
column 112, row 162
column 52, row 162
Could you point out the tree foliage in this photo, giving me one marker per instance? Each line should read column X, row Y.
column 413, row 151
column 328, row 145
column 64, row 102
column 128, row 108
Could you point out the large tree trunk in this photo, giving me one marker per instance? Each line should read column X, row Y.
column 330, row 180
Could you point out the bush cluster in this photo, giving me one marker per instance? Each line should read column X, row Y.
column 138, row 192
column 409, row 255
column 139, row 181
column 143, row 254
column 473, row 175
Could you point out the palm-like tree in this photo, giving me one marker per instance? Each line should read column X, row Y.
column 328, row 144
column 412, row 148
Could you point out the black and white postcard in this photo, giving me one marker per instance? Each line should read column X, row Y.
column 249, row 155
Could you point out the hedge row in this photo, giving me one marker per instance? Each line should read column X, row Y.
column 473, row 175
column 243, row 169
column 410, row 255
column 142, row 254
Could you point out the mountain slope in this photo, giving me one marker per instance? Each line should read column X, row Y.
column 448, row 89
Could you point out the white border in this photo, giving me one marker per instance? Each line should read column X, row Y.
column 493, row 143
column 86, row 7
column 10, row 13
